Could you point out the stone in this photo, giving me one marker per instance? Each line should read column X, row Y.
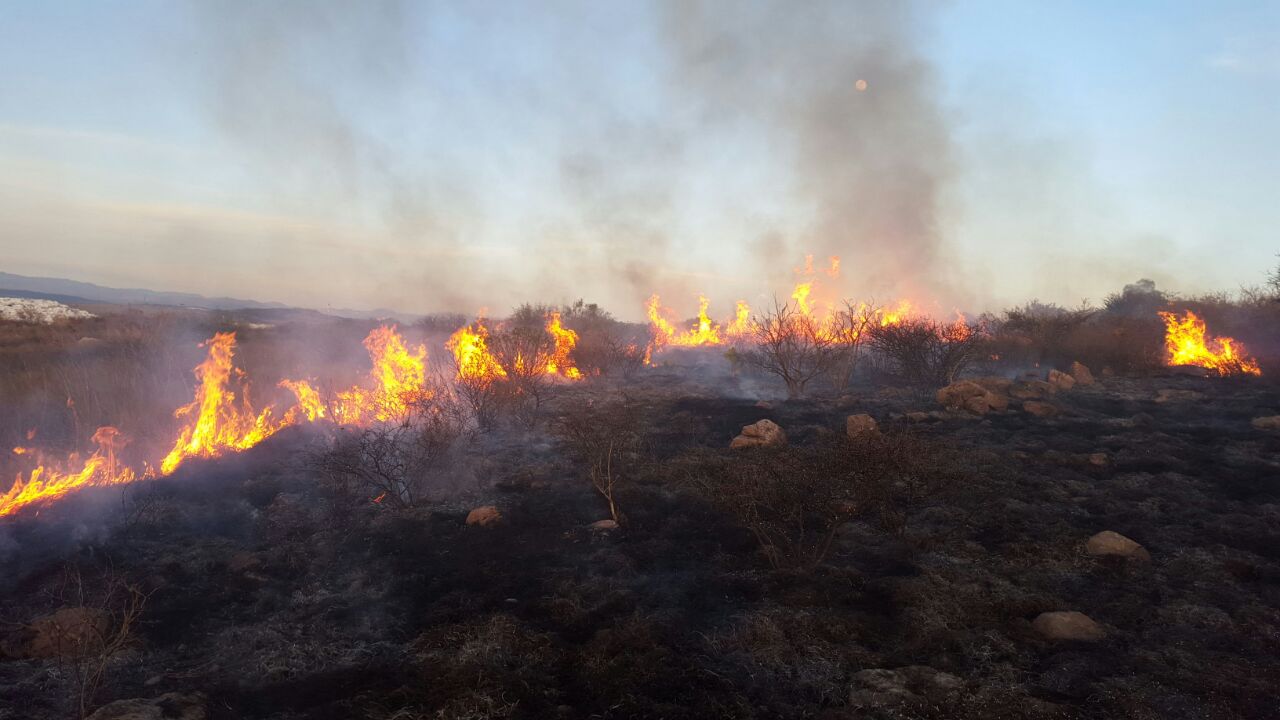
column 1168, row 395
column 1113, row 544
column 604, row 525
column 997, row 385
column 1061, row 380
column 1040, row 409
column 1081, row 373
column 1067, row 625
column 971, row 397
column 170, row 706
column 764, row 433
column 68, row 633
column 764, row 405
column 1098, row 459
column 484, row 516
column 859, row 425
column 1271, row 422
column 1032, row 390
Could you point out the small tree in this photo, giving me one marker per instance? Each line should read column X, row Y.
column 109, row 615
column 849, row 331
column 606, row 440
column 790, row 344
column 927, row 352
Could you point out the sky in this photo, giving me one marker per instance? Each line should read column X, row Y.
column 467, row 156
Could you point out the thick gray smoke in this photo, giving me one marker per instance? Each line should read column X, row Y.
column 843, row 90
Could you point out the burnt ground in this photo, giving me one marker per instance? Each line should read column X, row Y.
column 276, row 595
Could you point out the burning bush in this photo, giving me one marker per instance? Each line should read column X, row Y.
column 924, row 351
column 791, row 345
column 397, row 461
column 795, row 500
column 605, row 346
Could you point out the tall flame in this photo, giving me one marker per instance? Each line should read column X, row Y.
column 1187, row 343
column 565, row 341
column 51, row 481
column 399, row 378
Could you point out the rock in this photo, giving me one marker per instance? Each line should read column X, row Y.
column 1176, row 395
column 971, row 397
column 1098, row 459
column 859, row 425
column 604, row 525
column 1040, row 409
column 1081, row 373
column 1067, row 625
column 170, row 706
column 760, row 434
column 882, row 687
column 1061, row 380
column 68, row 633
column 1108, row 372
column 997, row 385
column 1271, row 422
column 1114, row 544
column 484, row 516
column 764, row 405
column 1032, row 390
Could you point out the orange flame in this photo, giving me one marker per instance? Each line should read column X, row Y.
column 470, row 348
column 1186, row 342
column 48, row 482
column 399, row 380
column 566, row 340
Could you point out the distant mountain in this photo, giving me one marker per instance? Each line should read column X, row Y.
column 74, row 291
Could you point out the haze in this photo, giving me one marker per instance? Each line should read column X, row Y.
column 460, row 156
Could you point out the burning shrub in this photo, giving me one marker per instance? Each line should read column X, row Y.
column 924, row 351
column 796, row 499
column 397, row 460
column 791, row 345
column 849, row 331
column 606, row 440
column 605, row 346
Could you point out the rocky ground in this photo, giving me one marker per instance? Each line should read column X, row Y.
column 1112, row 550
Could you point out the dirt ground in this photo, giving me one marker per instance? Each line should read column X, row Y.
column 272, row 594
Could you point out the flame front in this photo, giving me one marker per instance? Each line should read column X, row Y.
column 399, row 379
column 565, row 341
column 52, row 481
column 1186, row 342
column 470, row 348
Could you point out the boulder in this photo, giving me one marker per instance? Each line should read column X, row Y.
column 760, row 434
column 1081, row 373
column 604, row 525
column 1061, row 380
column 971, row 397
column 1113, row 544
column 1177, row 395
column 1040, row 409
column 1271, row 422
column 170, row 706
column 764, row 405
column 859, row 425
column 997, row 385
column 918, row 416
column 1067, row 625
column 484, row 516
column 67, row 633
column 883, row 687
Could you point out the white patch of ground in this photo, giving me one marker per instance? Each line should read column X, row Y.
column 38, row 311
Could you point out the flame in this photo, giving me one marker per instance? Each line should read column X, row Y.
column 566, row 340
column 1186, row 343
column 399, row 380
column 51, row 481
column 741, row 324
column 309, row 404
column 470, row 349
column 217, row 422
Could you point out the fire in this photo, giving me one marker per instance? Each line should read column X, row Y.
column 399, row 379
column 309, row 404
column 565, row 340
column 704, row 332
column 470, row 348
column 216, row 421
column 741, row 324
column 51, row 481
column 1186, row 343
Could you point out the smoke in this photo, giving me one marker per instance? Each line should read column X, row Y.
column 842, row 92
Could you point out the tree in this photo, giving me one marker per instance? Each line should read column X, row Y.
column 790, row 344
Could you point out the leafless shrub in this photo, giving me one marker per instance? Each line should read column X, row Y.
column 606, row 440
column 1037, row 333
column 795, row 500
column 791, row 345
column 849, row 331
column 109, row 616
column 397, row 461
column 441, row 322
column 925, row 351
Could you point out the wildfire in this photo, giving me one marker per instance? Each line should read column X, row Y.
column 470, row 348
column 565, row 341
column 399, row 379
column 1186, row 342
column 53, row 480
column 704, row 331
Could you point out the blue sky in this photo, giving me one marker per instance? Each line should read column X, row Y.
column 474, row 155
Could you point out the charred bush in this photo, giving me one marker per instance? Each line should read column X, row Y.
column 605, row 439
column 923, row 351
column 791, row 345
column 399, row 461
column 795, row 500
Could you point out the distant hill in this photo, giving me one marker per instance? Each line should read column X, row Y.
column 74, row 291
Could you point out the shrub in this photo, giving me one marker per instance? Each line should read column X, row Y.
column 850, row 330
column 924, row 351
column 795, row 500
column 605, row 346
column 791, row 345
column 606, row 440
